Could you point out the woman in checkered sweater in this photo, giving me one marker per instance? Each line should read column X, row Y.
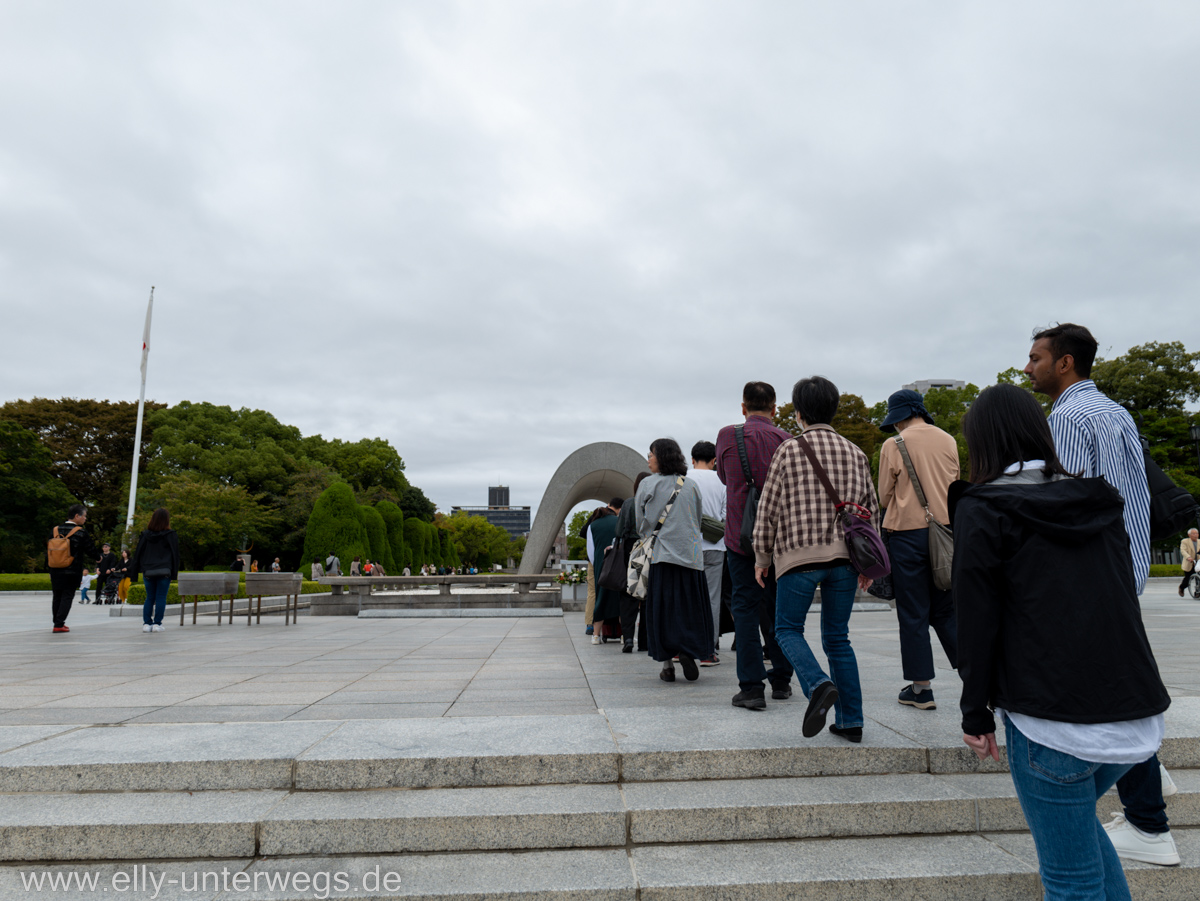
column 797, row 531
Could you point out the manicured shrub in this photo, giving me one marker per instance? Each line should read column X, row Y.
column 414, row 541
column 376, row 536
column 335, row 527
column 393, row 519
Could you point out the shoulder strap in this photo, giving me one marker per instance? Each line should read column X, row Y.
column 68, row 535
column 670, row 503
column 739, row 434
column 820, row 471
column 912, row 477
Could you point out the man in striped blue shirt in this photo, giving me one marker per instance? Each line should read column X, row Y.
column 1096, row 437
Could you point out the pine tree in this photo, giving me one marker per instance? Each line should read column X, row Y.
column 334, row 527
column 376, row 531
column 393, row 519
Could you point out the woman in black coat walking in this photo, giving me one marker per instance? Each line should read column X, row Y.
column 156, row 558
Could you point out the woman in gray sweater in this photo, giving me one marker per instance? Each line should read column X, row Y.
column 678, row 615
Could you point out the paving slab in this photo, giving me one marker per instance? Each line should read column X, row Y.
column 16, row 736
column 162, row 757
column 127, row 825
column 865, row 869
column 460, row 819
column 462, row 751
column 686, row 743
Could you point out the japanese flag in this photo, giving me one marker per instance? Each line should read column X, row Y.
column 146, row 334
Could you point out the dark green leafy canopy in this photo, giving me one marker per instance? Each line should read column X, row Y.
column 1157, row 376
column 376, row 536
column 393, row 520
column 414, row 531
column 32, row 499
column 91, row 449
column 370, row 465
column 416, row 505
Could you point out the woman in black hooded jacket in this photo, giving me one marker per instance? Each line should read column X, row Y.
column 1050, row 635
column 156, row 558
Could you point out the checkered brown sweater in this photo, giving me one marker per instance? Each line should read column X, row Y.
column 796, row 523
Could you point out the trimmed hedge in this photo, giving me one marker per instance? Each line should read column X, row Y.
column 1161, row 570
column 137, row 593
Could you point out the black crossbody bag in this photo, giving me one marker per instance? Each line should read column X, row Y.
column 750, row 509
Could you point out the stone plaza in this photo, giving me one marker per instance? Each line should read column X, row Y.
column 475, row 757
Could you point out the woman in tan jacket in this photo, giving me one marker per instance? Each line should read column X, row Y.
column 797, row 529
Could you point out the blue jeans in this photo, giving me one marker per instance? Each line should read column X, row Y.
column 794, row 597
column 751, row 604
column 156, row 599
column 1058, row 795
column 1141, row 796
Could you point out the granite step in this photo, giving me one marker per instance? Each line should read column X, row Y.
column 157, row 825
column 999, row 867
column 628, row 745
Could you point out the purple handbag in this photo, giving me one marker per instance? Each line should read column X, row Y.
column 865, row 546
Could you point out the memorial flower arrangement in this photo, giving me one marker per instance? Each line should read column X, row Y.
column 571, row 577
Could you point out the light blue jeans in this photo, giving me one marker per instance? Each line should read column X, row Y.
column 1058, row 795
column 156, row 600
column 794, row 595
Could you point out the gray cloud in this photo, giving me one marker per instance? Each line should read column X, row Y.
column 494, row 232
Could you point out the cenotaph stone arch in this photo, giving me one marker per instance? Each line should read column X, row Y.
column 595, row 472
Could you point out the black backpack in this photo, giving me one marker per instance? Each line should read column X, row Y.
column 1171, row 508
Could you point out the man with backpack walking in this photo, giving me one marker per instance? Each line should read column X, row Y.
column 69, row 544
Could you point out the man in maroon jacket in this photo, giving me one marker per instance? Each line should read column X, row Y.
column 752, row 606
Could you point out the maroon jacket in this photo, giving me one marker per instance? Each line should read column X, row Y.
column 762, row 437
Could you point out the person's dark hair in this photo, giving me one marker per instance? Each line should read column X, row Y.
column 670, row 457
column 1004, row 426
column 160, row 520
column 641, row 477
column 316, row 559
column 596, row 514
column 1067, row 338
column 75, row 509
column 759, row 397
column 815, row 399
column 704, row 451
column 617, row 503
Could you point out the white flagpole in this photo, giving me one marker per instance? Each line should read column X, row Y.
column 137, row 437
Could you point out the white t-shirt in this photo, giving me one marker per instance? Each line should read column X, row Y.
column 712, row 501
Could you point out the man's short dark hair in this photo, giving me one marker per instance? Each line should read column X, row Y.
column 815, row 400
column 758, row 396
column 704, row 451
column 1067, row 338
column 617, row 503
column 75, row 509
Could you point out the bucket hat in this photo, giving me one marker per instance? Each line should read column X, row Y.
column 902, row 405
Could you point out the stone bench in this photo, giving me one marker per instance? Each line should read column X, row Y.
column 286, row 584
column 213, row 585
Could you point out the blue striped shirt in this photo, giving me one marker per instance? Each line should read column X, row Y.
column 1096, row 437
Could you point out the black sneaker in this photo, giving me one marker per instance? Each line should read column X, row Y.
column 751, row 699
column 781, row 693
column 850, row 733
column 667, row 675
column 819, row 705
column 691, row 672
column 628, row 648
column 922, row 700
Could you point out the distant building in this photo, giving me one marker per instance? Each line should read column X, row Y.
column 924, row 386
column 514, row 520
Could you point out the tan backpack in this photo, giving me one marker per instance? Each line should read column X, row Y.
column 58, row 549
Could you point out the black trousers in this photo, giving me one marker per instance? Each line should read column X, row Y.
column 1184, row 584
column 63, row 585
column 1141, row 795
column 630, row 608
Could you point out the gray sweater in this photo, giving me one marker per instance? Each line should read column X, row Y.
column 679, row 538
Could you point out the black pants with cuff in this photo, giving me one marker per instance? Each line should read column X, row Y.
column 63, row 585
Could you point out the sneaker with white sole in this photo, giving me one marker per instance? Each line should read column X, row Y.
column 1168, row 784
column 1131, row 843
column 159, row 628
column 147, row 628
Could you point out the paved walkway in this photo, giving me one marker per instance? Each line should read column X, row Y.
column 106, row 670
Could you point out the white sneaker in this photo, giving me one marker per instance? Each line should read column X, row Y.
column 159, row 628
column 147, row 628
column 595, row 638
column 1131, row 843
column 1168, row 784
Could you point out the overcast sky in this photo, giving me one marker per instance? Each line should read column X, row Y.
column 494, row 232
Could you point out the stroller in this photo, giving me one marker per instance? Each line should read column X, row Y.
column 108, row 593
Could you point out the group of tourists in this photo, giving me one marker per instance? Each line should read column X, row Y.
column 1028, row 572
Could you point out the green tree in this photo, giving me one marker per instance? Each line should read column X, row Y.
column 377, row 537
column 32, row 499
column 371, row 465
column 414, row 541
column 335, row 527
column 577, row 545
column 211, row 520
column 393, row 520
column 293, row 509
column 91, row 449
column 416, row 505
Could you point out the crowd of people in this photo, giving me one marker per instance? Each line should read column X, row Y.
column 1036, row 606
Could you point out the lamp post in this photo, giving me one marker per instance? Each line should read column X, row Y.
column 1195, row 432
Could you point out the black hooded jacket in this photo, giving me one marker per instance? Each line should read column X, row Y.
column 155, row 551
column 1049, row 623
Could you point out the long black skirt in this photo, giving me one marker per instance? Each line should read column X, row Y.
column 678, row 613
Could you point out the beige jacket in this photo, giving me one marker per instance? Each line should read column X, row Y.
column 935, row 457
column 1187, row 550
